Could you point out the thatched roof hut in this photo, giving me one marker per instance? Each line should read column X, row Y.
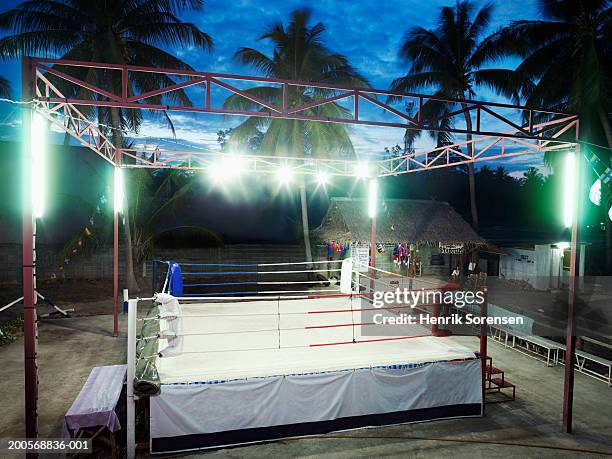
column 398, row 220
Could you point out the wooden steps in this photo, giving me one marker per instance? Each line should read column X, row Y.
column 497, row 388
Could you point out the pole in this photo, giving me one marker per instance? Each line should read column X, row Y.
column 30, row 341
column 373, row 256
column 570, row 338
column 116, row 250
column 153, row 276
column 126, row 297
column 115, row 273
column 131, row 369
column 483, row 345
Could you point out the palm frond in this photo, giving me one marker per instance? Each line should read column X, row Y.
column 257, row 59
column 138, row 7
column 45, row 42
column 480, row 23
column 422, row 48
column 268, row 93
column 5, row 87
column 501, row 81
column 170, row 34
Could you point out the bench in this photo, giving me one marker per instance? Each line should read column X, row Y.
column 582, row 357
column 93, row 411
column 540, row 342
column 552, row 347
column 554, row 350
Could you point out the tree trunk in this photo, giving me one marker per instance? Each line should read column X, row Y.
column 306, row 231
column 132, row 283
column 471, row 176
column 605, row 122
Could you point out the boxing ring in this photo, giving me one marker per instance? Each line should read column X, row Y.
column 221, row 370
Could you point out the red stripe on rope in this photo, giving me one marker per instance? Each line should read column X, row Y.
column 368, row 340
column 337, row 325
column 327, row 311
column 334, row 295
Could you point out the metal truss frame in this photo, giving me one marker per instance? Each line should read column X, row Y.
column 544, row 131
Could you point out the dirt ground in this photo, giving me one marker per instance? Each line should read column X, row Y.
column 86, row 297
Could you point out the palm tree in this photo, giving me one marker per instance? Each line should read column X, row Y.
column 160, row 199
column 566, row 60
column 112, row 31
column 449, row 60
column 299, row 54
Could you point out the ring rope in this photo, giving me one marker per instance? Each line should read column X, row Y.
column 261, row 330
column 288, row 313
column 267, row 292
column 261, row 264
column 395, row 338
column 257, row 283
column 220, row 273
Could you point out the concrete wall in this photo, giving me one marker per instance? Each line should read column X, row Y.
column 519, row 264
column 541, row 267
column 99, row 265
column 94, row 266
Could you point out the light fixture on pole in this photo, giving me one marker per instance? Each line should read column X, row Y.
column 284, row 174
column 322, row 178
column 362, row 171
column 373, row 198
column 38, row 172
column 372, row 204
column 118, row 190
column 569, row 189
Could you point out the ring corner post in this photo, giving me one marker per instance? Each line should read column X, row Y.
column 131, row 371
column 483, row 344
column 153, row 276
column 372, row 207
column 29, row 260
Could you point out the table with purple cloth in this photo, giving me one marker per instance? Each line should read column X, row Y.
column 95, row 404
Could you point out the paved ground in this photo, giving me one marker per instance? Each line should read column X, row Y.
column 69, row 348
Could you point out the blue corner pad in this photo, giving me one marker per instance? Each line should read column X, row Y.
column 176, row 279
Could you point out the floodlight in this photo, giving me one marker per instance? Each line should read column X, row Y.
column 228, row 167
column 595, row 192
column 362, row 170
column 563, row 245
column 118, row 190
column 238, row 163
column 38, row 147
column 569, row 189
column 284, row 174
column 322, row 178
column 373, row 198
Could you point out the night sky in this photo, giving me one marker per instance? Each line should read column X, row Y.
column 367, row 32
